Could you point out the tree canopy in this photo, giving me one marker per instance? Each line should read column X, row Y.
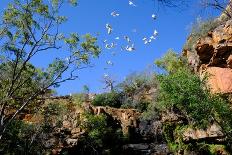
column 27, row 29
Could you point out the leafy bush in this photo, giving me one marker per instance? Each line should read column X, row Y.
column 53, row 114
column 136, row 82
column 171, row 62
column 112, row 99
column 79, row 99
column 136, row 90
column 188, row 93
column 101, row 134
column 96, row 126
column 181, row 89
column 21, row 138
column 139, row 105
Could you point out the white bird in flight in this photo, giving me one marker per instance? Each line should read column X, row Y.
column 130, row 48
column 108, row 46
column 109, row 28
column 114, row 14
column 106, row 75
column 152, row 37
column 113, row 45
column 154, row 16
column 145, row 40
column 109, row 63
column 127, row 39
column 131, row 3
column 117, row 38
column 104, row 41
column 155, row 33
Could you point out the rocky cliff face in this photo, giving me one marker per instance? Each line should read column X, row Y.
column 67, row 135
column 214, row 58
column 128, row 118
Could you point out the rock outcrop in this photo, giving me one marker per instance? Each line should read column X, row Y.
column 215, row 49
column 212, row 133
column 220, row 79
column 213, row 58
column 128, row 118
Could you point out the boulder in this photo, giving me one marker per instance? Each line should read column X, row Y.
column 219, row 79
column 212, row 133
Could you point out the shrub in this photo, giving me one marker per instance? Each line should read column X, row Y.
column 78, row 99
column 171, row 62
column 112, row 99
column 21, row 138
column 136, row 90
column 183, row 90
column 101, row 134
column 139, row 105
column 136, row 82
column 188, row 93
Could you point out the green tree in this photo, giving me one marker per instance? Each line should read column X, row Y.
column 170, row 62
column 112, row 99
column 138, row 89
column 27, row 29
column 183, row 91
column 102, row 134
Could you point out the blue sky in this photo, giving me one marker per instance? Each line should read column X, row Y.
column 90, row 16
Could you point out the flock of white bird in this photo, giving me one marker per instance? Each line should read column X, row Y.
column 130, row 46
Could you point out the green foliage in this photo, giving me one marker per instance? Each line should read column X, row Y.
column 200, row 29
column 139, row 105
column 187, row 92
column 29, row 28
column 85, row 89
column 95, row 125
column 135, row 88
column 78, row 99
column 136, row 82
column 152, row 112
column 29, row 137
column 52, row 114
column 183, row 91
column 23, row 137
column 112, row 99
column 101, row 134
column 214, row 148
column 171, row 62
